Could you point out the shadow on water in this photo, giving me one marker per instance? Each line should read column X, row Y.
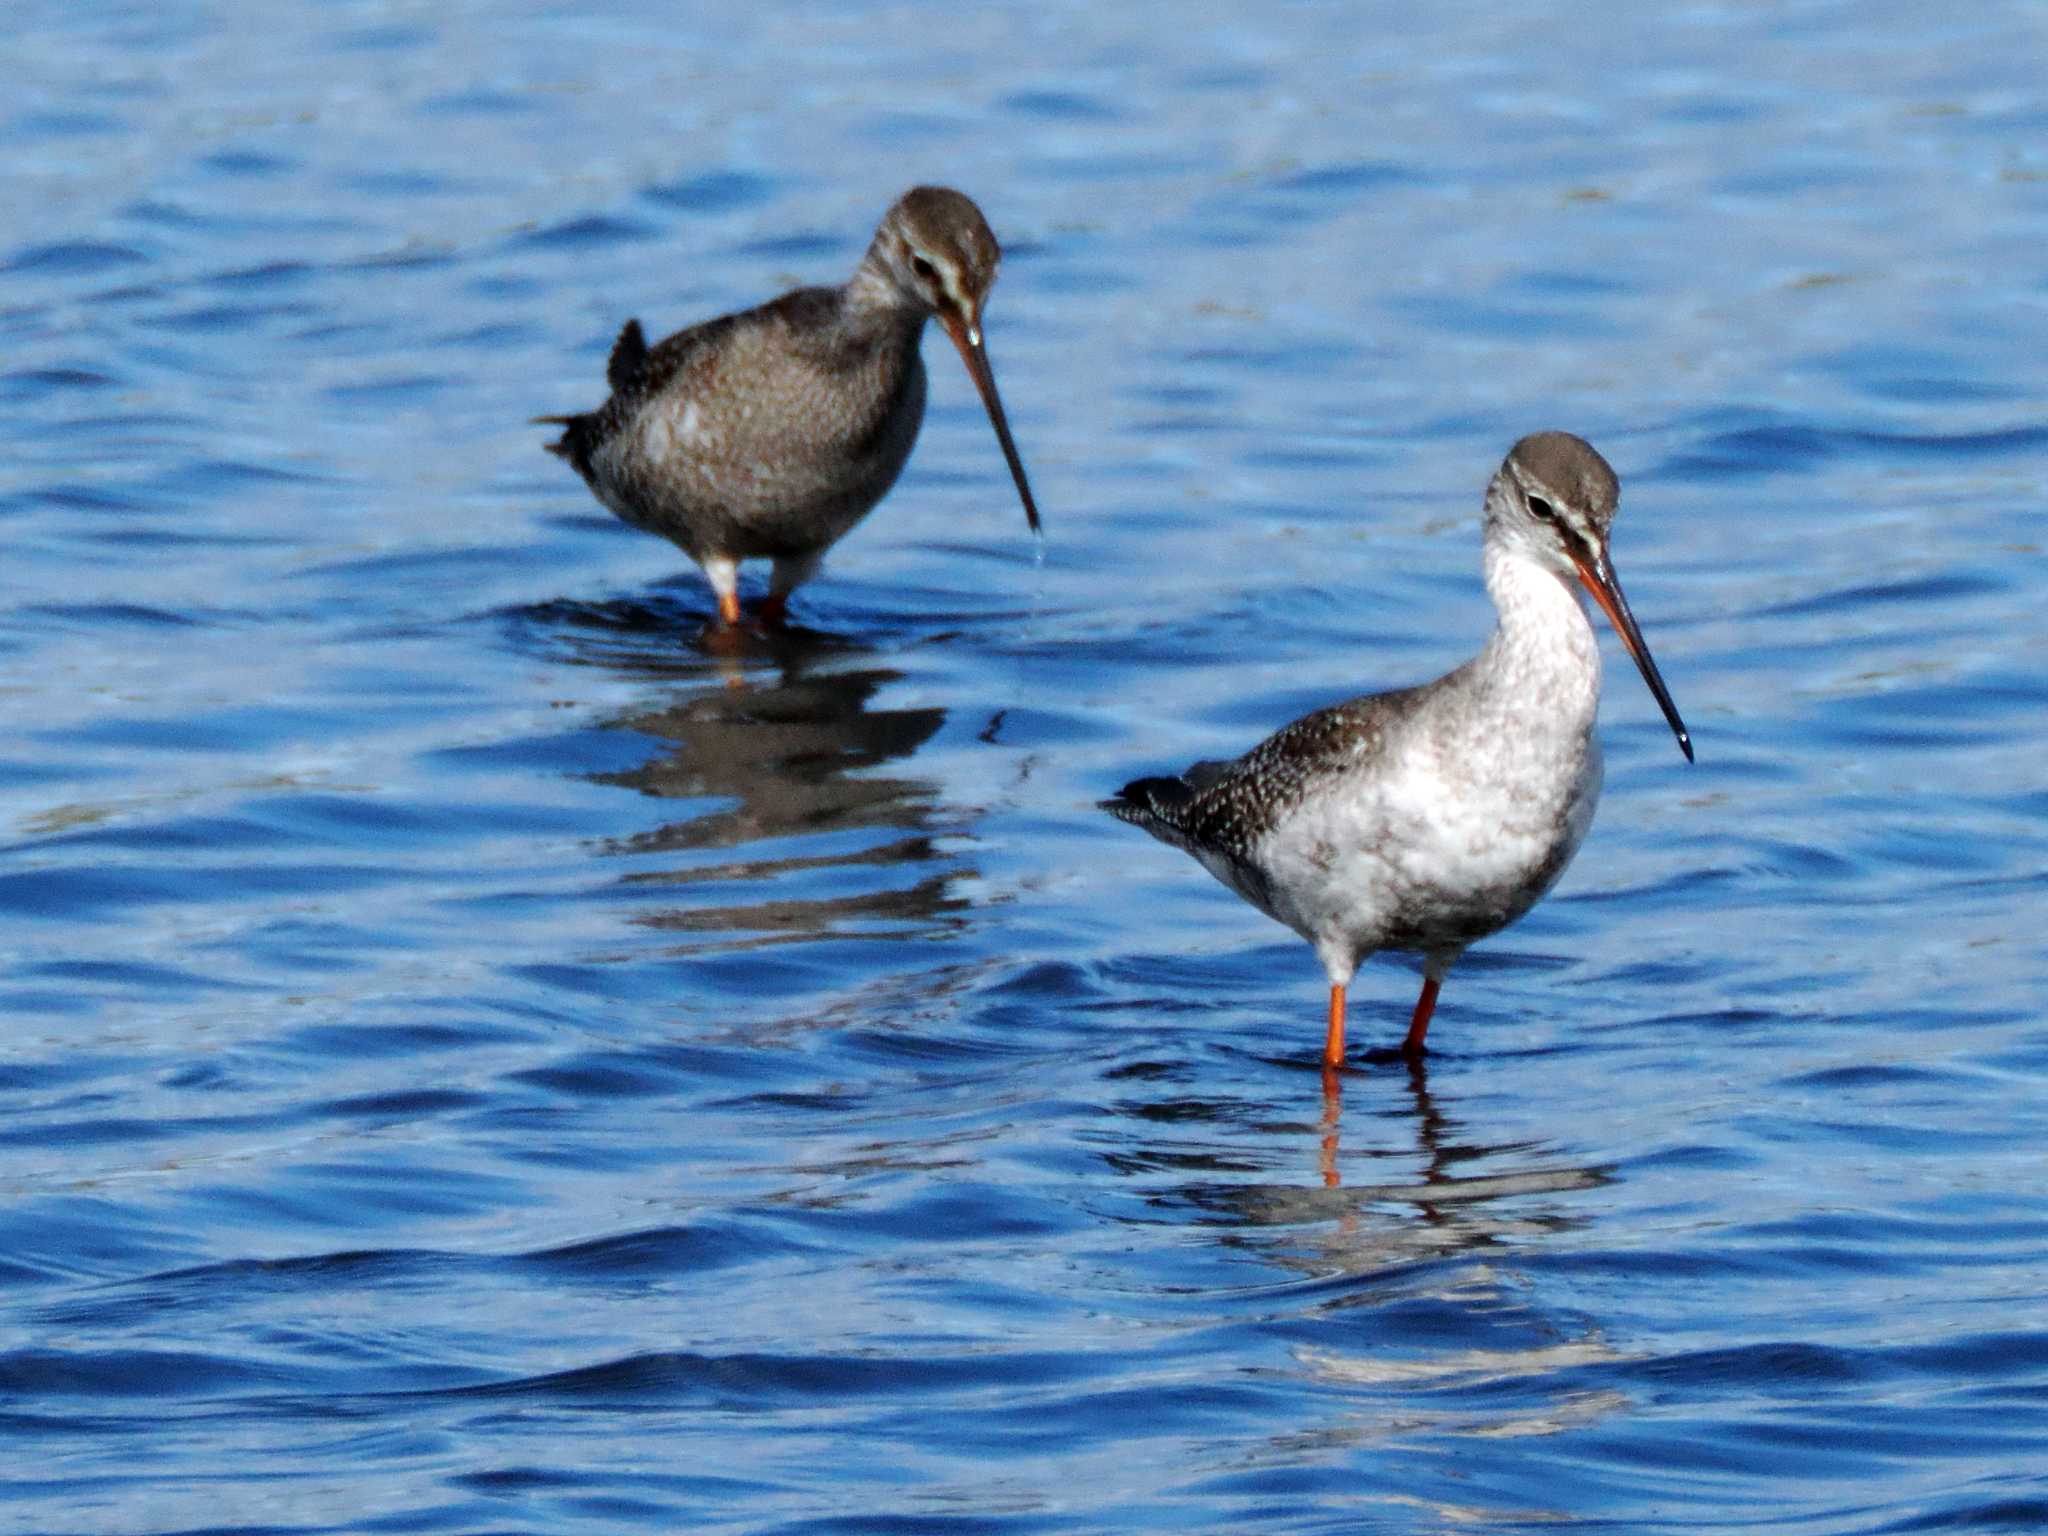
column 771, row 738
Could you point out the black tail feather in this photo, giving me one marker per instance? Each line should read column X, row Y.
column 1145, row 800
column 579, row 437
column 580, row 433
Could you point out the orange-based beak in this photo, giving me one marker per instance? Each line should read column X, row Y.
column 1599, row 579
column 966, row 334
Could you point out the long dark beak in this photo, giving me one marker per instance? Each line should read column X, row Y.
column 1600, row 580
column 966, row 334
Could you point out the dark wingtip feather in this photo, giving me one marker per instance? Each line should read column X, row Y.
column 629, row 355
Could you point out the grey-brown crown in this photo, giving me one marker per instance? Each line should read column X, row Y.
column 1558, row 467
column 938, row 250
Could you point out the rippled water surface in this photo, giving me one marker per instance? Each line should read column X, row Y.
column 478, row 1059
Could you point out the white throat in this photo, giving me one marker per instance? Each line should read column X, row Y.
column 1544, row 654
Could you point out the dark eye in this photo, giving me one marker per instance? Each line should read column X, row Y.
column 924, row 269
column 1542, row 509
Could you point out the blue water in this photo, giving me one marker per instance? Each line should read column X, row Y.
column 476, row 1060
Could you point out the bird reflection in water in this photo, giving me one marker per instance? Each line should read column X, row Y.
column 1444, row 1234
column 774, row 743
column 1432, row 1228
column 1442, row 1193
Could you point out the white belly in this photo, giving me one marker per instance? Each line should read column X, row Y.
column 1427, row 856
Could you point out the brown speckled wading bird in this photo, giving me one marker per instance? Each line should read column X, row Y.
column 769, row 433
column 1427, row 818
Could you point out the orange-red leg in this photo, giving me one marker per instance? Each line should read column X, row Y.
column 1418, row 1025
column 728, row 608
column 1333, row 1042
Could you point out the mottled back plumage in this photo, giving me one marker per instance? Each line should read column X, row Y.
column 1223, row 808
